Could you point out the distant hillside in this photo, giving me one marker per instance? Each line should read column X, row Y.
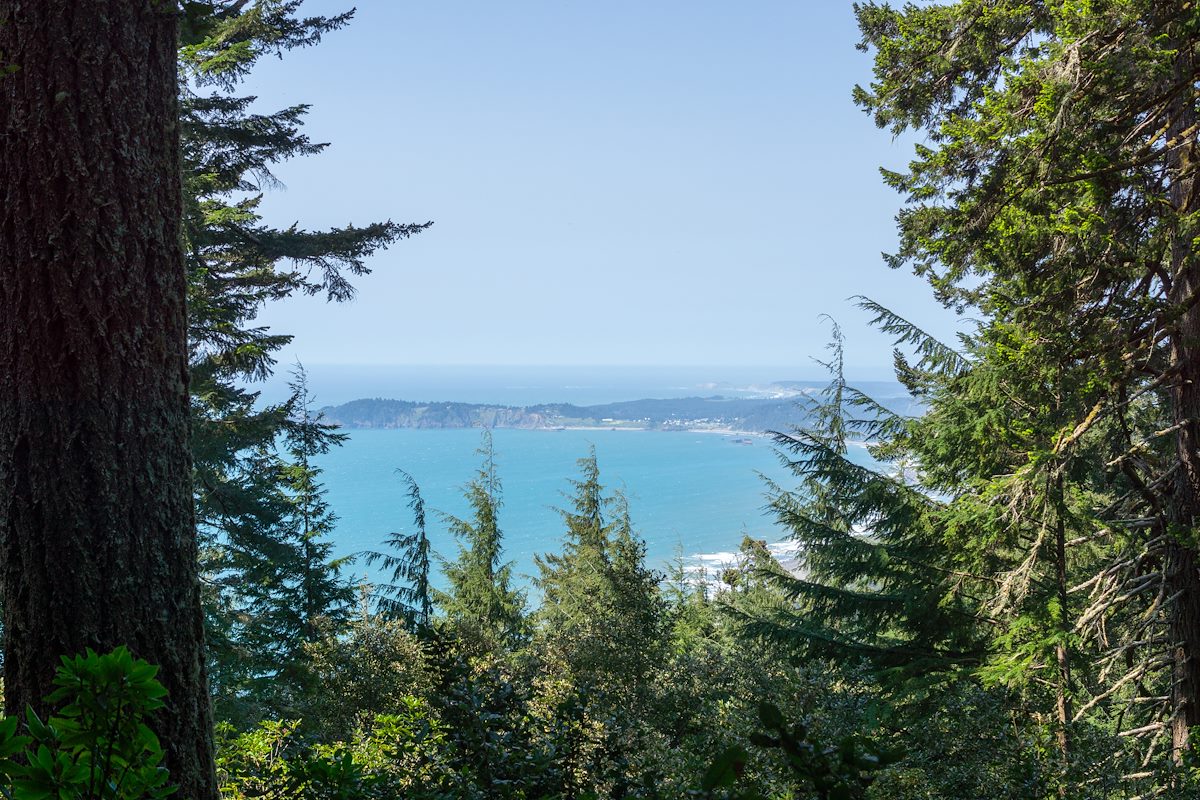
column 688, row 413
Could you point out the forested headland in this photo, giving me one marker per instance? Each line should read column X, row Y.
column 749, row 415
column 784, row 406
column 1008, row 606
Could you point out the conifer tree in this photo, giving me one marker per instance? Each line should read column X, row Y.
column 322, row 597
column 957, row 557
column 97, row 529
column 1050, row 489
column 580, row 570
column 887, row 596
column 685, row 591
column 237, row 264
column 409, row 597
column 599, row 638
column 638, row 610
column 480, row 602
column 602, row 619
column 287, row 592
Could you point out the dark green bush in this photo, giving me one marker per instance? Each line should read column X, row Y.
column 96, row 744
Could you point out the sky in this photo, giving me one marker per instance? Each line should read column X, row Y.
column 641, row 183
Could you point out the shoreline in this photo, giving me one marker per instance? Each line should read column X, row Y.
column 555, row 428
column 716, row 414
column 643, row 428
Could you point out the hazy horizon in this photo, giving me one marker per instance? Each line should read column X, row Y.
column 333, row 384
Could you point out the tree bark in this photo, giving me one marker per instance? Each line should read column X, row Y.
column 97, row 533
column 1062, row 687
column 1183, row 508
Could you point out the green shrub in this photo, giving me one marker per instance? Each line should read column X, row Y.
column 96, row 745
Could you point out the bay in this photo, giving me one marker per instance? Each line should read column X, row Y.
column 701, row 492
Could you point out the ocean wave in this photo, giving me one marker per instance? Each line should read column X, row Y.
column 715, row 558
column 707, row 568
column 784, row 551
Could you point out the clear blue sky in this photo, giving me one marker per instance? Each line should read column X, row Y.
column 611, row 183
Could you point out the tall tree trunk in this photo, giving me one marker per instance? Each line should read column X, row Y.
column 1183, row 562
column 96, row 520
column 1062, row 686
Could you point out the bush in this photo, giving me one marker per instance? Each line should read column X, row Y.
column 96, row 746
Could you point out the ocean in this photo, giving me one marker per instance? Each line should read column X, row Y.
column 698, row 493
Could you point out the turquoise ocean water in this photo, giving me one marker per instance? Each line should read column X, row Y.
column 698, row 491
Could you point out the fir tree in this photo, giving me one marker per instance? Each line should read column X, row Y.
column 480, row 602
column 1049, row 491
column 287, row 592
column 638, row 616
column 585, row 556
column 1068, row 137
column 951, row 561
column 409, row 597
column 872, row 580
column 600, row 636
column 322, row 597
column 237, row 264
column 602, row 619
column 97, row 528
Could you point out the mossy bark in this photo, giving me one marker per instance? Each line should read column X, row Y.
column 97, row 533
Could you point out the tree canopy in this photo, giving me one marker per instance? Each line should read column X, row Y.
column 1034, row 526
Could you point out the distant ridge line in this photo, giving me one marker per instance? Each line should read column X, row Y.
column 715, row 413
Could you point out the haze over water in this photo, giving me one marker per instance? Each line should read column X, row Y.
column 526, row 385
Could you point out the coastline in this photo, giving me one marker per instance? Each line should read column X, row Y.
column 715, row 414
column 646, row 428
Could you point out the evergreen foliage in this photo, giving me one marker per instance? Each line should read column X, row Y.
column 602, row 621
column 1008, row 591
column 236, row 265
column 885, row 596
column 480, row 602
column 1031, row 529
column 317, row 595
column 410, row 596
column 284, row 587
